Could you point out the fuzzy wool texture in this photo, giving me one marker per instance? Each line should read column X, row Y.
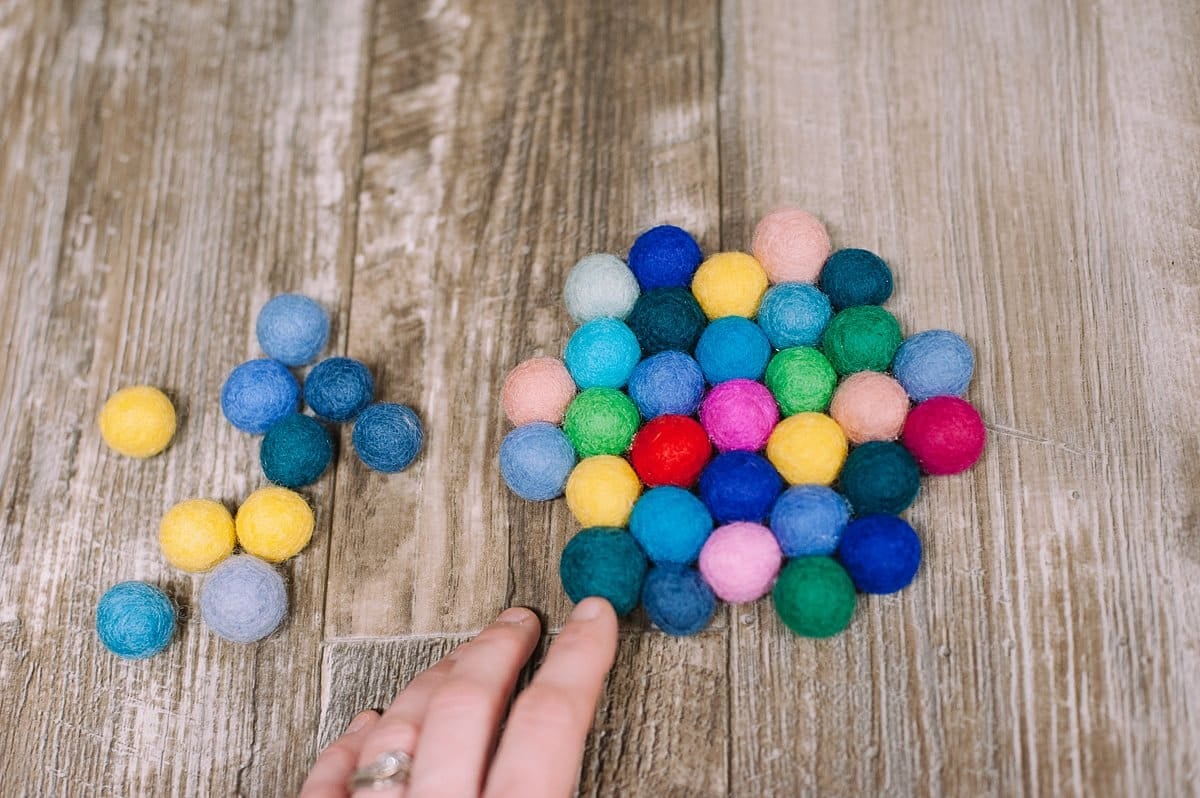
column 664, row 257
column 854, row 277
column 339, row 388
column 292, row 329
column 601, row 491
column 667, row 319
column 258, row 394
column 739, row 415
column 296, row 451
column 801, row 379
column 539, row 389
column 600, row 285
column 870, row 406
column 740, row 561
column 388, row 437
column 739, row 486
column 274, row 524
column 934, row 363
column 792, row 245
column 606, row 562
column 808, row 520
column 730, row 284
column 669, row 383
column 535, row 461
column 881, row 553
column 677, row 599
column 135, row 620
column 945, row 434
column 671, row 525
column 794, row 314
column 732, row 348
column 243, row 600
column 863, row 338
column 602, row 354
column 601, row 421
column 814, row 597
column 670, row 450
column 880, row 477
column 808, row 448
column 196, row 534
column 138, row 421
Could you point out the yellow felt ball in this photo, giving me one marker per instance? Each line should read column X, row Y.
column 274, row 524
column 196, row 534
column 601, row 491
column 730, row 284
column 807, row 448
column 138, row 421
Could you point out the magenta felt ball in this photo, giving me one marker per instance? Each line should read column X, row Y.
column 740, row 561
column 739, row 415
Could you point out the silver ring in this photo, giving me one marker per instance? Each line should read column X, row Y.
column 387, row 771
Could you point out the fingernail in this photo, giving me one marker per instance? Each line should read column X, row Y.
column 589, row 609
column 514, row 615
column 360, row 720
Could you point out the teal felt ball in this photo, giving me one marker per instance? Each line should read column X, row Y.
column 665, row 319
column 606, row 562
column 296, row 451
column 794, row 314
column 854, row 277
column 135, row 620
column 880, row 477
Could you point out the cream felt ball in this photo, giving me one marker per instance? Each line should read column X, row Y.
column 539, row 389
column 243, row 600
column 792, row 245
column 274, row 524
column 292, row 329
column 739, row 561
column 138, row 421
column 338, row 388
column 196, row 534
column 602, row 354
column 730, row 284
column 870, row 406
column 258, row 394
column 600, row 285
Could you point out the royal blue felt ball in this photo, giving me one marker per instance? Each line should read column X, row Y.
column 258, row 394
column 854, row 277
column 606, row 562
column 535, row 461
column 677, row 599
column 388, row 437
column 664, row 257
column 667, row 318
column 880, row 552
column 934, row 363
column 739, row 486
column 808, row 520
column 292, row 329
column 794, row 314
column 880, row 477
column 296, row 451
column 669, row 383
column 338, row 388
column 135, row 620
column 602, row 354
column 671, row 525
column 733, row 348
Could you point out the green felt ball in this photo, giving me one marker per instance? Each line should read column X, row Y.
column 862, row 338
column 601, row 421
column 801, row 379
column 604, row 561
column 667, row 318
column 814, row 596
column 880, row 477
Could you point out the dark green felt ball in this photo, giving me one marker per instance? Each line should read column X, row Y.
column 814, row 596
column 604, row 561
column 863, row 338
column 880, row 477
column 854, row 277
column 295, row 451
column 667, row 318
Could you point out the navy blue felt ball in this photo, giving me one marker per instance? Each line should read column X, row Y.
column 257, row 394
column 388, row 437
column 880, row 477
column 295, row 451
column 677, row 599
column 664, row 257
column 733, row 348
column 667, row 384
column 739, row 486
column 535, row 461
column 338, row 388
column 880, row 552
column 667, row 318
column 604, row 561
column 854, row 277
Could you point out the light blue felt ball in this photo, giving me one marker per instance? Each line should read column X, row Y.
column 600, row 285
column 808, row 520
column 535, row 461
column 669, row 383
column 135, row 620
column 388, row 437
column 934, row 363
column 244, row 599
column 258, row 394
column 733, row 348
column 794, row 314
column 292, row 329
column 677, row 599
column 602, row 354
column 671, row 525
column 338, row 388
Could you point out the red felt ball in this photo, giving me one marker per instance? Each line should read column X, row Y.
column 670, row 450
column 944, row 434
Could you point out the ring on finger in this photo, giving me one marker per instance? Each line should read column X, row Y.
column 386, row 771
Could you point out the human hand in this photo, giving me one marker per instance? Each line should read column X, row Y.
column 446, row 721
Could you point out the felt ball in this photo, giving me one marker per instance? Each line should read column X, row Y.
column 934, row 363
column 794, row 314
column 535, row 461
column 600, row 285
column 814, row 596
column 740, row 561
column 388, row 437
column 295, row 451
column 801, row 379
column 739, row 486
column 730, row 284
column 339, row 388
column 606, row 562
column 243, row 600
column 600, row 421
column 539, row 389
column 808, row 448
column 669, row 383
column 196, row 534
column 274, row 524
column 670, row 450
column 664, row 257
column 881, row 553
column 259, row 393
column 856, row 277
column 138, row 421
column 602, row 354
column 671, row 525
column 601, row 491
column 732, row 348
column 665, row 319
column 135, row 620
column 808, row 520
column 870, row 407
column 292, row 329
column 862, row 338
column 739, row 415
column 880, row 477
column 945, row 434
column 678, row 600
column 792, row 245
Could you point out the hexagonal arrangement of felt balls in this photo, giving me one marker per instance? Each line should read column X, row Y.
column 745, row 424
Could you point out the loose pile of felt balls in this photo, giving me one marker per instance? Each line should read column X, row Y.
column 745, row 424
column 244, row 598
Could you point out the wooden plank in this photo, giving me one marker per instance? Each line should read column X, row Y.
column 168, row 169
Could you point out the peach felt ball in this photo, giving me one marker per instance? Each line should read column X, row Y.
column 792, row 245
column 537, row 390
column 740, row 561
column 870, row 406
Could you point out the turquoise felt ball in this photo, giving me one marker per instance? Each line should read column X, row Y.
column 606, row 562
column 733, row 348
column 338, row 388
column 292, row 329
column 135, row 620
column 880, row 477
column 602, row 354
column 388, row 437
column 794, row 314
column 259, row 393
column 671, row 525
column 856, row 277
column 296, row 451
column 677, row 599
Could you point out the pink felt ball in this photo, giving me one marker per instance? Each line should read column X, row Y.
column 740, row 561
column 870, row 406
column 739, row 415
column 537, row 390
column 945, row 435
column 792, row 245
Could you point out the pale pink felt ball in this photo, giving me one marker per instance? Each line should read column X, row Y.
column 740, row 561
column 870, row 406
column 537, row 390
column 739, row 415
column 792, row 245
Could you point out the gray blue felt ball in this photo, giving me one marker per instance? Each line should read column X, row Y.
column 934, row 363
column 605, row 562
column 338, row 388
column 880, row 552
column 243, row 600
column 808, row 520
column 677, row 599
column 667, row 384
column 535, row 461
column 258, row 394
column 296, row 451
column 135, row 620
column 388, row 437
column 292, row 329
